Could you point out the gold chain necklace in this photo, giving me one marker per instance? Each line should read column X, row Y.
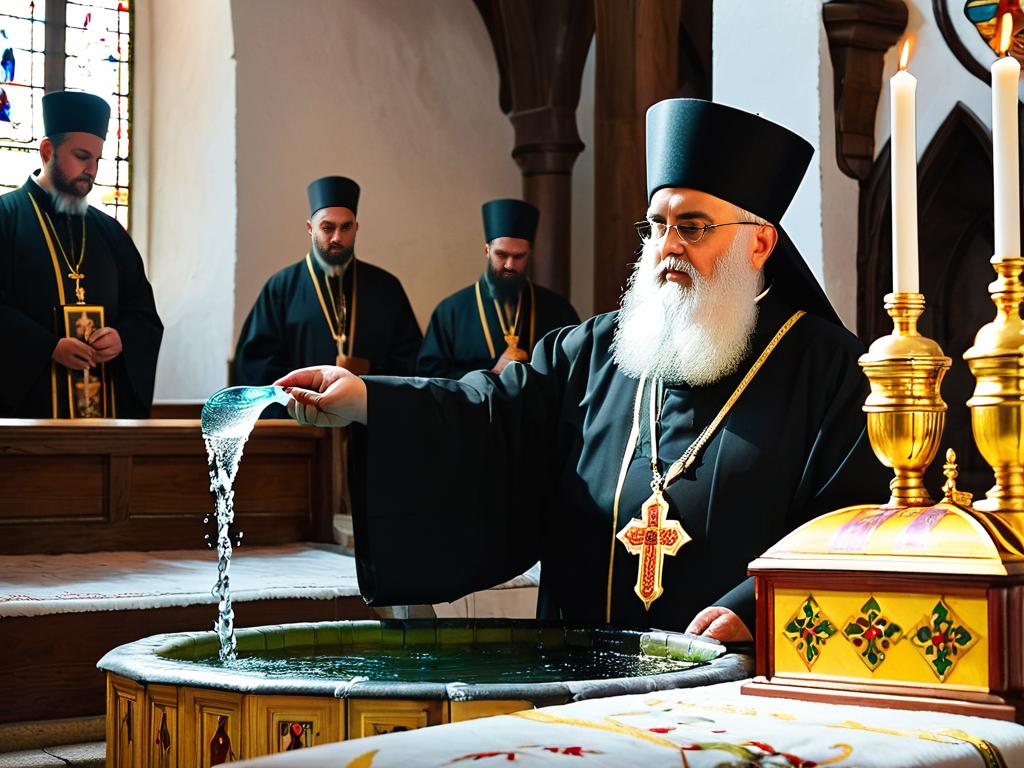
column 341, row 334
column 653, row 535
column 340, row 318
column 74, row 271
column 509, row 331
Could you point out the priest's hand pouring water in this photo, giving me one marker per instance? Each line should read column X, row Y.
column 325, row 396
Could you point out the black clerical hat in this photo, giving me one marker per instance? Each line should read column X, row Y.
column 333, row 192
column 726, row 152
column 510, row 218
column 75, row 111
column 747, row 160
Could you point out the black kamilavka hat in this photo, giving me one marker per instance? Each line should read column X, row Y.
column 333, row 192
column 75, row 112
column 510, row 218
column 747, row 160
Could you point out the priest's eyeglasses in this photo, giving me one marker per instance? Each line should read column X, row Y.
column 688, row 233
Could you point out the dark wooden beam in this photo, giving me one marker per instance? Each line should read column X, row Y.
column 859, row 33
column 541, row 48
column 647, row 50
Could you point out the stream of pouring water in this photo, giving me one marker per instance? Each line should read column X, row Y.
column 228, row 417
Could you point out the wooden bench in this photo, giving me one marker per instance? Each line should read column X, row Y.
column 122, row 485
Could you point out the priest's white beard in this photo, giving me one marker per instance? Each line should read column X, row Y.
column 697, row 334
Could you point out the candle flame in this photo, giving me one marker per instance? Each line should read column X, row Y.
column 1005, row 28
column 904, row 55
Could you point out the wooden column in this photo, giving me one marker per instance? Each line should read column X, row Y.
column 859, row 33
column 647, row 50
column 541, row 48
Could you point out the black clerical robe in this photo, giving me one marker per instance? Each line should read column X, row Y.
column 472, row 481
column 287, row 328
column 114, row 277
column 455, row 343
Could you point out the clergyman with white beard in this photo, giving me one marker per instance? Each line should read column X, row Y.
column 663, row 446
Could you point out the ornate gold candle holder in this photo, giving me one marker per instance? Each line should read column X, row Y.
column 997, row 406
column 905, row 409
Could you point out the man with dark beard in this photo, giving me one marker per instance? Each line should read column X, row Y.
column 61, row 261
column 499, row 318
column 658, row 449
column 330, row 307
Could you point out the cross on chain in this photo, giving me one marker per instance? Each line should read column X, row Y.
column 78, row 277
column 652, row 540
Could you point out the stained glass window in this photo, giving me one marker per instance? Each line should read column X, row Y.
column 99, row 61
column 48, row 45
column 22, row 40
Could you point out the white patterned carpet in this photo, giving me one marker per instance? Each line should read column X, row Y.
column 32, row 585
column 35, row 585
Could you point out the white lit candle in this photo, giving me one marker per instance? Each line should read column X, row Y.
column 902, row 89
column 1005, row 76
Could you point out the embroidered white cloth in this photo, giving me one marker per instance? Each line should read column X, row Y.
column 693, row 728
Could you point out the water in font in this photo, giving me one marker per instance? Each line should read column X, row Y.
column 498, row 663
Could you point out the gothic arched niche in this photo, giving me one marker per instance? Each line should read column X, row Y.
column 955, row 243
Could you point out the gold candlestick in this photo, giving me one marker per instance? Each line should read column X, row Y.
column 998, row 401
column 905, row 409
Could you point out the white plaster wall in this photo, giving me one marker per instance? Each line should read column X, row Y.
column 582, row 289
column 840, row 202
column 184, row 186
column 402, row 96
column 941, row 80
column 771, row 57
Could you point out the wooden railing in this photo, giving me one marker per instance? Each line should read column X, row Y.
column 96, row 485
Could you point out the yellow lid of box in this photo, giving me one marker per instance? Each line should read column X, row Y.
column 942, row 538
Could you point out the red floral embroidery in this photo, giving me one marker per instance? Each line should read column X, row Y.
column 750, row 756
column 511, row 756
column 484, row 755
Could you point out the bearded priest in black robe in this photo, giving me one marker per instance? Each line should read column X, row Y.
column 658, row 449
column 77, row 311
column 499, row 318
column 329, row 307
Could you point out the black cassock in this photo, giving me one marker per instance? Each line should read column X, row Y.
column 114, row 277
column 455, row 343
column 472, row 481
column 286, row 328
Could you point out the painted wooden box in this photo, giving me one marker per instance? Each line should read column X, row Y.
column 903, row 607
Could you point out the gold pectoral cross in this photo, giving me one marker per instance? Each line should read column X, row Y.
column 512, row 353
column 652, row 538
column 78, row 277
